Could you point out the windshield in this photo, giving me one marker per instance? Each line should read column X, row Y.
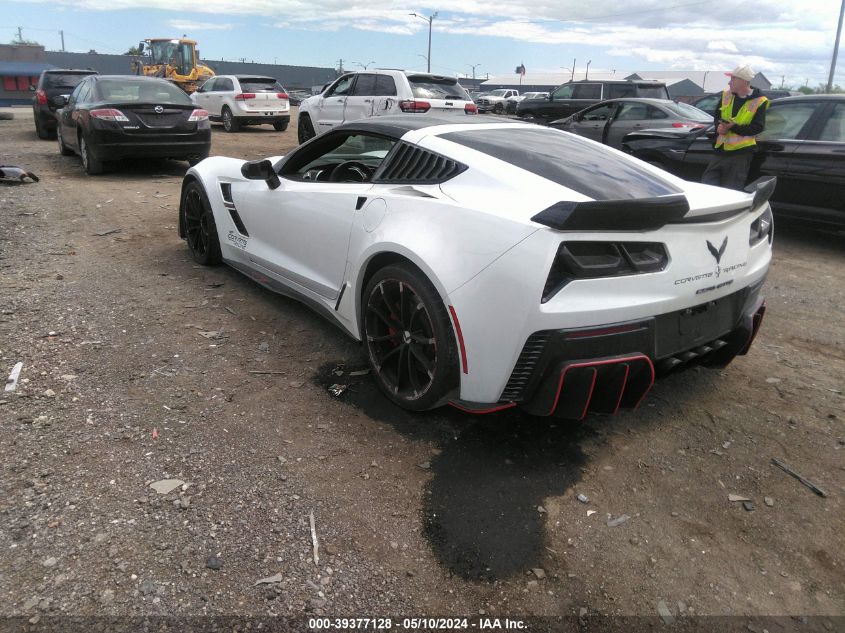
column 437, row 88
column 149, row 91
column 56, row 80
column 260, row 84
column 498, row 93
column 173, row 53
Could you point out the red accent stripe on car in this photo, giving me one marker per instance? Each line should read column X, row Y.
column 464, row 363
column 500, row 407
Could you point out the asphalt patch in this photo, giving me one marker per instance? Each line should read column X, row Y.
column 480, row 513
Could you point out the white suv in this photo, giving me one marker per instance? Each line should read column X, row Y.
column 238, row 100
column 368, row 93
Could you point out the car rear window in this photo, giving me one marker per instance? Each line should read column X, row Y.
column 652, row 92
column 691, row 113
column 257, row 84
column 115, row 90
column 437, row 88
column 568, row 160
column 65, row 80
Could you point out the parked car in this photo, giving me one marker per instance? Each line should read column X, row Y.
column 709, row 102
column 297, row 96
column 110, row 117
column 495, row 100
column 239, row 100
column 492, row 264
column 574, row 96
column 510, row 102
column 53, row 86
column 803, row 145
column 360, row 95
column 611, row 120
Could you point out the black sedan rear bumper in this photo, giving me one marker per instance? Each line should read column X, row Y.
column 571, row 373
column 114, row 145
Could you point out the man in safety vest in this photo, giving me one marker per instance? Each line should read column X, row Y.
column 739, row 117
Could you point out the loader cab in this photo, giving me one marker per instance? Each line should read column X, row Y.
column 179, row 54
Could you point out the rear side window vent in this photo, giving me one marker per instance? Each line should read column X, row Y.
column 411, row 164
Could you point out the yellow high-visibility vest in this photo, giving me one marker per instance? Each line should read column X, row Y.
column 733, row 141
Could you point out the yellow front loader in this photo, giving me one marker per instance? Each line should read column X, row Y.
column 175, row 59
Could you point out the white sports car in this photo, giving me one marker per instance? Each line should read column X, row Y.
column 489, row 264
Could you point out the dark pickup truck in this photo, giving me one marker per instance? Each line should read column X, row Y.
column 574, row 96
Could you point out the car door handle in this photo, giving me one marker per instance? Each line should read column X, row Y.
column 368, row 100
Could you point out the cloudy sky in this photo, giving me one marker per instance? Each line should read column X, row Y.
column 788, row 40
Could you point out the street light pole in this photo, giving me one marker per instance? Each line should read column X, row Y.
column 587, row 72
column 473, row 66
column 835, row 48
column 428, row 19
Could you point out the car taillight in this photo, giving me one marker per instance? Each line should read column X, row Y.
column 592, row 260
column 244, row 96
column 471, row 108
column 282, row 95
column 198, row 115
column 41, row 97
column 692, row 126
column 108, row 114
column 414, row 106
column 761, row 228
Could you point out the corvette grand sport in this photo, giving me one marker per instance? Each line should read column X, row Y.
column 489, row 264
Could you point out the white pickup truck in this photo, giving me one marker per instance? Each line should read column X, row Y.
column 495, row 101
column 368, row 93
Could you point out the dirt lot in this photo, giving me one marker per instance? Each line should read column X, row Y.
column 441, row 514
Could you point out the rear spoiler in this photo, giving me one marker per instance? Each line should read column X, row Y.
column 642, row 214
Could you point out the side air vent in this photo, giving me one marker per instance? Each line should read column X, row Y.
column 411, row 164
column 229, row 203
column 524, row 367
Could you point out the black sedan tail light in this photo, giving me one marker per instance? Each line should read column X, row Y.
column 592, row 260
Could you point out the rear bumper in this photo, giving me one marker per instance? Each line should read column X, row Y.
column 116, row 146
column 569, row 373
column 257, row 118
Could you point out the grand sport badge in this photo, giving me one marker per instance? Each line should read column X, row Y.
column 717, row 254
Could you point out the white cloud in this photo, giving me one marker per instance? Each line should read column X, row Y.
column 183, row 25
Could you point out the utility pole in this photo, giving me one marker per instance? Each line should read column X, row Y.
column 473, row 69
column 340, row 66
column 835, row 48
column 572, row 78
column 588, row 69
column 62, row 33
column 20, row 35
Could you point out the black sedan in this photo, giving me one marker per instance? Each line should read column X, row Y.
column 110, row 117
column 803, row 145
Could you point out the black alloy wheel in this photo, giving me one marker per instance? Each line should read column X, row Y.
column 200, row 229
column 280, row 126
column 230, row 124
column 409, row 338
column 304, row 129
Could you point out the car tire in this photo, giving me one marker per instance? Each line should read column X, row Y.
column 64, row 150
column 40, row 131
column 200, row 230
column 230, row 123
column 193, row 160
column 304, row 129
column 409, row 338
column 498, row 108
column 91, row 163
column 280, row 126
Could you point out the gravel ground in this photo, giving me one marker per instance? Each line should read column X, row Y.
column 437, row 514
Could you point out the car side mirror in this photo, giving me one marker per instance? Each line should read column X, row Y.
column 31, row 88
column 261, row 170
